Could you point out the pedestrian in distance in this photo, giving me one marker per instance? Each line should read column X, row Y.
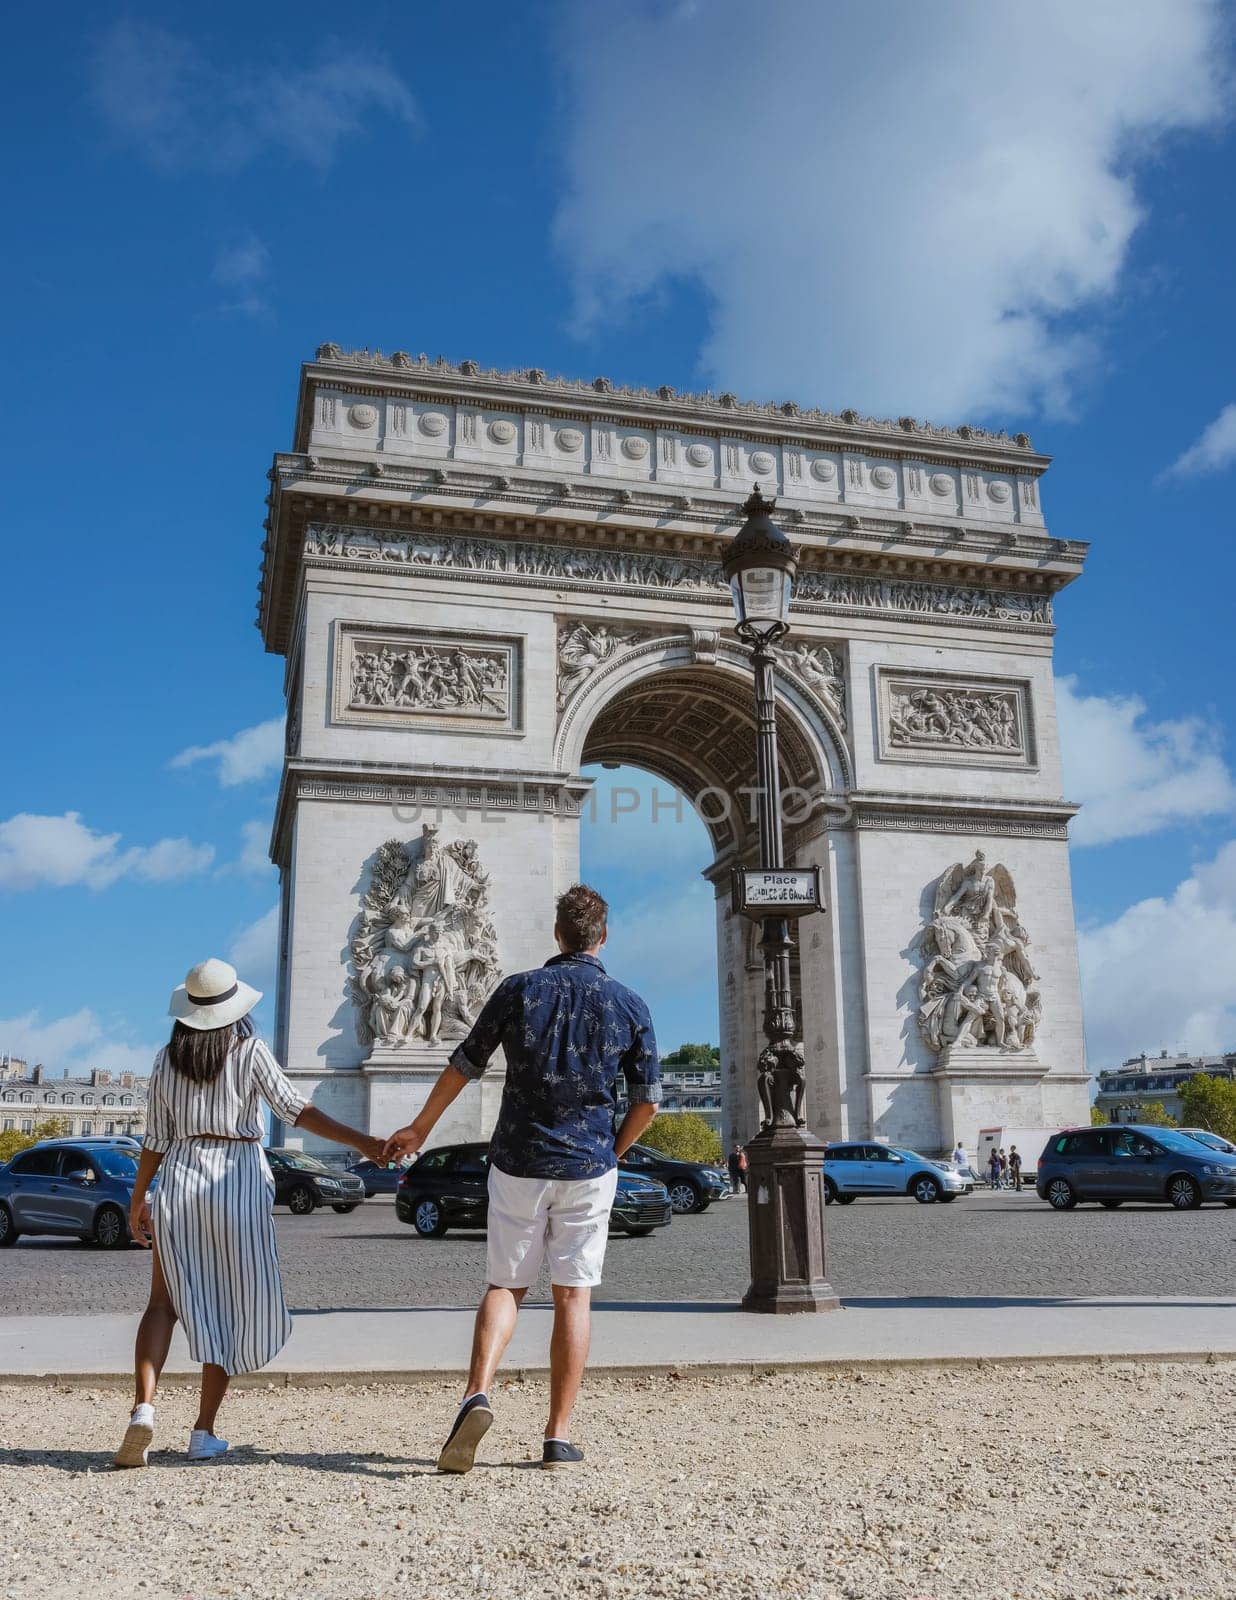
column 567, row 1030
column 961, row 1161
column 993, row 1168
column 1015, row 1168
column 738, row 1167
column 1004, row 1170
column 214, row 1266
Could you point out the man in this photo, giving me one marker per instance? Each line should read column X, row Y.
column 1015, row 1167
column 738, row 1167
column 993, row 1168
column 567, row 1029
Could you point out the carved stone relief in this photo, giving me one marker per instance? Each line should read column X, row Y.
column 821, row 670
column 425, row 954
column 977, row 989
column 400, row 674
column 582, row 648
column 943, row 717
column 628, row 569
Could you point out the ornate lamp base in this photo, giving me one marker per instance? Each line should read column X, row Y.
column 785, row 1199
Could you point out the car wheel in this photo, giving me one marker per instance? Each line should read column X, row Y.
column 1111, row 1205
column 846, row 1199
column 925, row 1190
column 343, row 1210
column 830, row 1191
column 302, row 1200
column 685, row 1198
column 1060, row 1194
column 8, row 1232
column 428, row 1220
column 1184, row 1192
column 110, row 1229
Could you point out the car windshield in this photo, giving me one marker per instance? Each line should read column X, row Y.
column 303, row 1163
column 114, row 1163
column 1180, row 1143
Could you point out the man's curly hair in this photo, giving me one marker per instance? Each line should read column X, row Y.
column 582, row 917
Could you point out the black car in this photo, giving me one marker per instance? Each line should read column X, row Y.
column 303, row 1183
column 692, row 1185
column 449, row 1188
column 377, row 1179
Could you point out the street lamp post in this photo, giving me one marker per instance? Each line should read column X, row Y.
column 785, row 1180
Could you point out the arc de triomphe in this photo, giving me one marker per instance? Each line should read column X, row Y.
column 483, row 581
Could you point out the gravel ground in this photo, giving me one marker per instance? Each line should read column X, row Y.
column 1073, row 1483
column 986, row 1246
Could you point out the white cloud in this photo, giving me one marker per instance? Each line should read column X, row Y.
column 38, row 851
column 255, row 950
column 78, row 1041
column 1133, row 776
column 243, row 270
column 1160, row 975
column 248, row 755
column 896, row 208
column 158, row 93
column 1212, row 451
column 255, row 851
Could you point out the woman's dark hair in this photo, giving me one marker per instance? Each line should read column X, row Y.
column 199, row 1053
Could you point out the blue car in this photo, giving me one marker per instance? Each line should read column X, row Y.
column 75, row 1187
column 1128, row 1161
column 876, row 1169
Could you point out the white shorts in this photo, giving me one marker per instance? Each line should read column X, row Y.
column 566, row 1219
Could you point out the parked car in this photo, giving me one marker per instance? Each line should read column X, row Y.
column 449, row 1188
column 377, row 1179
column 1131, row 1162
column 854, row 1169
column 1214, row 1141
column 303, row 1183
column 79, row 1187
column 692, row 1185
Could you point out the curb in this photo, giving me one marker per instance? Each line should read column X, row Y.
column 346, row 1378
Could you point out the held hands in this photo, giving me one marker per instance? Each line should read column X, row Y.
column 140, row 1225
column 373, row 1149
column 404, row 1142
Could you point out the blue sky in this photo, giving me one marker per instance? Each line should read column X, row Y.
column 1019, row 219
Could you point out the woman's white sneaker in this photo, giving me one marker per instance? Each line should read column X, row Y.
column 204, row 1446
column 135, row 1446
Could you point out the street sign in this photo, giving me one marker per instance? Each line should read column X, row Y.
column 787, row 892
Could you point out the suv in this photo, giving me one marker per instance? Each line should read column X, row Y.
column 1130, row 1162
column 854, row 1169
column 303, row 1183
column 64, row 1186
column 692, row 1185
column 449, row 1188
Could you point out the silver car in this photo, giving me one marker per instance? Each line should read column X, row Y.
column 874, row 1169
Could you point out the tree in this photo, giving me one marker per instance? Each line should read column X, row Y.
column 683, row 1135
column 693, row 1055
column 1097, row 1119
column 1154, row 1114
column 12, row 1142
column 1210, row 1103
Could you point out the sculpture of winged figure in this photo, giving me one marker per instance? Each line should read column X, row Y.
column 978, row 985
column 581, row 650
column 425, row 953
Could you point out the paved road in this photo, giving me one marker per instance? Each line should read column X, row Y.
column 981, row 1248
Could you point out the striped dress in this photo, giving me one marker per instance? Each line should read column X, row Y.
column 212, row 1216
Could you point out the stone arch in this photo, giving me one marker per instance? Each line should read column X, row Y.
column 687, row 713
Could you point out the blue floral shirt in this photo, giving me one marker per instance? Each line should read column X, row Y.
column 567, row 1030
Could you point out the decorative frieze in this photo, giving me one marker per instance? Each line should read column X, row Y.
column 553, row 565
column 821, row 670
column 400, row 676
column 949, row 717
column 583, row 648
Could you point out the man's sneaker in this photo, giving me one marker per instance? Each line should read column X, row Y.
column 203, row 1446
column 558, row 1453
column 135, row 1445
column 471, row 1425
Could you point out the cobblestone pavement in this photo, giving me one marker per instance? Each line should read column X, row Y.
column 1042, row 1483
column 984, row 1246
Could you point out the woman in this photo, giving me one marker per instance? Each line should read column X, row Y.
column 215, row 1264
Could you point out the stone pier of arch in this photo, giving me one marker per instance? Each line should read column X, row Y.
column 484, row 582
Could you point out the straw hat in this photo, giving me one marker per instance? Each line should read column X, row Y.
column 212, row 996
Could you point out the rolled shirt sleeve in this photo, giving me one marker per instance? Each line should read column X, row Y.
column 273, row 1085
column 472, row 1055
column 160, row 1129
column 641, row 1064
